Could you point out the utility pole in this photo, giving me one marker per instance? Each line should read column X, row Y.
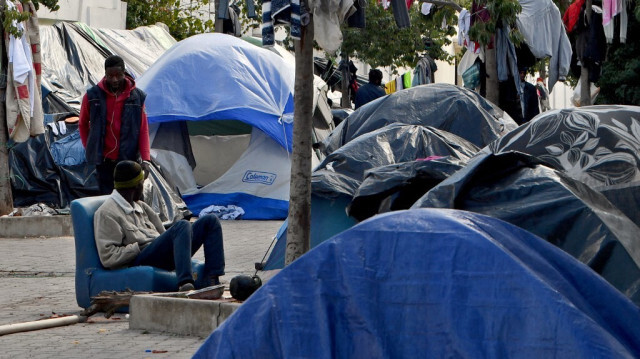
column 299, row 228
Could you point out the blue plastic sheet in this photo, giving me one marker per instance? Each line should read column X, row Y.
column 432, row 283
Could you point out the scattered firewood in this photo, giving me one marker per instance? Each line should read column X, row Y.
column 109, row 301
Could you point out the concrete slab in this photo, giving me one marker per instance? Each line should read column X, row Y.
column 157, row 313
column 36, row 226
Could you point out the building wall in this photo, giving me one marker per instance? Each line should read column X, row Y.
column 111, row 14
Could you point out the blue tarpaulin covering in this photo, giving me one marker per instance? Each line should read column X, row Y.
column 432, row 283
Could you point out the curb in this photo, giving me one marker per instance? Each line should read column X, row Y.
column 178, row 315
column 36, row 226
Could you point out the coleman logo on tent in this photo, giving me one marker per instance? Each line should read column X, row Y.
column 259, row 177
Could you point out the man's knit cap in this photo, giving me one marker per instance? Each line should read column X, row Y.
column 127, row 174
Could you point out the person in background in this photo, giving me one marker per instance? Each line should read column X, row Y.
column 543, row 95
column 129, row 233
column 370, row 91
column 529, row 98
column 113, row 123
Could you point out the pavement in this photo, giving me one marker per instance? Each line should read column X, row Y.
column 37, row 282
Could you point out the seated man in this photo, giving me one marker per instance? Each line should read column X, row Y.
column 128, row 233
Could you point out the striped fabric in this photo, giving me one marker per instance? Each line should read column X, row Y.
column 276, row 12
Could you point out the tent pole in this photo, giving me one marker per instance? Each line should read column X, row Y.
column 298, row 231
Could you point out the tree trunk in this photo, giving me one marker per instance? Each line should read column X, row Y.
column 218, row 23
column 344, row 83
column 6, row 199
column 298, row 231
column 585, row 86
column 493, row 91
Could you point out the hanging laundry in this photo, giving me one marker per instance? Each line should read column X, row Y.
column 572, row 14
column 540, row 23
column 423, row 72
column 479, row 13
column 23, row 94
column 400, row 13
column 464, row 23
column 609, row 10
column 328, row 15
column 357, row 19
column 623, row 22
column 426, row 8
column 390, row 87
column 399, row 83
column 406, row 80
column 591, row 46
column 276, row 12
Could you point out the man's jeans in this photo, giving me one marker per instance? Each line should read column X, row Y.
column 173, row 249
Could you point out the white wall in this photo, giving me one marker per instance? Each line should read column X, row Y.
column 109, row 14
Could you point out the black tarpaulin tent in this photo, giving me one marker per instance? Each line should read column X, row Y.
column 597, row 145
column 523, row 191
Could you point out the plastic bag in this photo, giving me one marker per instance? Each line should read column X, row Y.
column 471, row 77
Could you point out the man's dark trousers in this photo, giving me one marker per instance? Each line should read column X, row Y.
column 173, row 249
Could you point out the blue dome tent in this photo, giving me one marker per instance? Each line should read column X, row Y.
column 231, row 87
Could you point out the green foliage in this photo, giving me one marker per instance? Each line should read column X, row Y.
column 381, row 43
column 8, row 16
column 499, row 11
column 183, row 20
column 49, row 4
column 621, row 71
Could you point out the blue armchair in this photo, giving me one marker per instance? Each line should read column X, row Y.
column 92, row 277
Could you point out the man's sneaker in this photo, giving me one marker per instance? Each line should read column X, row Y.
column 186, row 287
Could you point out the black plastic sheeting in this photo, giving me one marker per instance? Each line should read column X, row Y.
column 36, row 178
column 73, row 55
column 342, row 171
column 70, row 62
column 597, row 145
column 521, row 190
column 398, row 186
column 446, row 107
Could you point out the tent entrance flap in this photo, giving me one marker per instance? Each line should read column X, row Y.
column 256, row 179
column 215, row 155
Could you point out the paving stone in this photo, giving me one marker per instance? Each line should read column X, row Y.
column 37, row 280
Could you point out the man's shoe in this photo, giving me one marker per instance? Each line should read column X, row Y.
column 214, row 280
column 186, row 287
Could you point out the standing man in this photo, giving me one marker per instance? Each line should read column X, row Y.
column 129, row 233
column 528, row 99
column 370, row 91
column 113, row 123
